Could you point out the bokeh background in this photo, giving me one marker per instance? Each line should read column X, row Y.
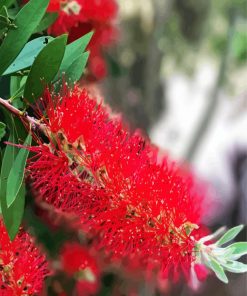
column 178, row 71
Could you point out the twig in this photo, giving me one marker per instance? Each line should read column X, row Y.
column 22, row 115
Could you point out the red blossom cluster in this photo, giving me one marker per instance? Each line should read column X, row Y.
column 136, row 204
column 78, row 17
column 22, row 266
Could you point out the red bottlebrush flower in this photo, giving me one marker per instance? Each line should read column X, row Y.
column 22, row 266
column 77, row 262
column 139, row 204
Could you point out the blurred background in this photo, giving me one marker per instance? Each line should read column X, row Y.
column 178, row 72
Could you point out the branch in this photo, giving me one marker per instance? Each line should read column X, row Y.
column 22, row 115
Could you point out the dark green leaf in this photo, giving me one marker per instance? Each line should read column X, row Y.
column 229, row 235
column 6, row 3
column 16, row 174
column 26, row 21
column 28, row 54
column 15, row 213
column 47, row 20
column 76, row 69
column 45, row 68
column 8, row 160
column 73, row 51
column 2, row 130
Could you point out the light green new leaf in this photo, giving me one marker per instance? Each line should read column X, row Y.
column 2, row 130
column 16, row 175
column 72, row 52
column 45, row 68
column 235, row 266
column 237, row 250
column 218, row 270
column 26, row 21
column 28, row 54
column 229, row 235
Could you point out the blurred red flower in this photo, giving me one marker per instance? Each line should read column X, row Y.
column 22, row 266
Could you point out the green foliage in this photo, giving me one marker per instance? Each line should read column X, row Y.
column 28, row 54
column 220, row 259
column 2, row 130
column 45, row 68
column 25, row 21
column 28, row 65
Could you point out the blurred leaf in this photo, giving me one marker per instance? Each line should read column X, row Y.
column 6, row 3
column 234, row 266
column 28, row 54
column 45, row 68
column 72, row 52
column 238, row 249
column 218, row 270
column 229, row 235
column 26, row 21
column 76, row 69
column 240, row 46
column 2, row 130
column 16, row 175
column 46, row 22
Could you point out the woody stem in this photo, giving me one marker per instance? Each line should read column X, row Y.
column 22, row 115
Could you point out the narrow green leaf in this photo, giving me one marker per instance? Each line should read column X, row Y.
column 46, row 22
column 235, row 266
column 229, row 235
column 72, row 52
column 16, row 174
column 218, row 270
column 77, row 68
column 8, row 160
column 15, row 213
column 26, row 21
column 45, row 68
column 2, row 130
column 28, row 54
column 237, row 250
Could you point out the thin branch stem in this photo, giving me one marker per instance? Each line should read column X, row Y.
column 22, row 115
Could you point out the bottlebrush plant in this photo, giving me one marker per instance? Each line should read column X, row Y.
column 128, row 208
column 78, row 17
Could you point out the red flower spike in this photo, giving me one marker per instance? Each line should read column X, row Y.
column 22, row 266
column 139, row 204
column 77, row 262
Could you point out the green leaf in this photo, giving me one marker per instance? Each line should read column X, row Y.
column 15, row 213
column 8, row 159
column 235, row 266
column 16, row 175
column 46, row 22
column 229, row 235
column 45, row 68
column 237, row 250
column 26, row 21
column 76, row 69
column 73, row 51
column 218, row 270
column 6, row 3
column 2, row 130
column 28, row 54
